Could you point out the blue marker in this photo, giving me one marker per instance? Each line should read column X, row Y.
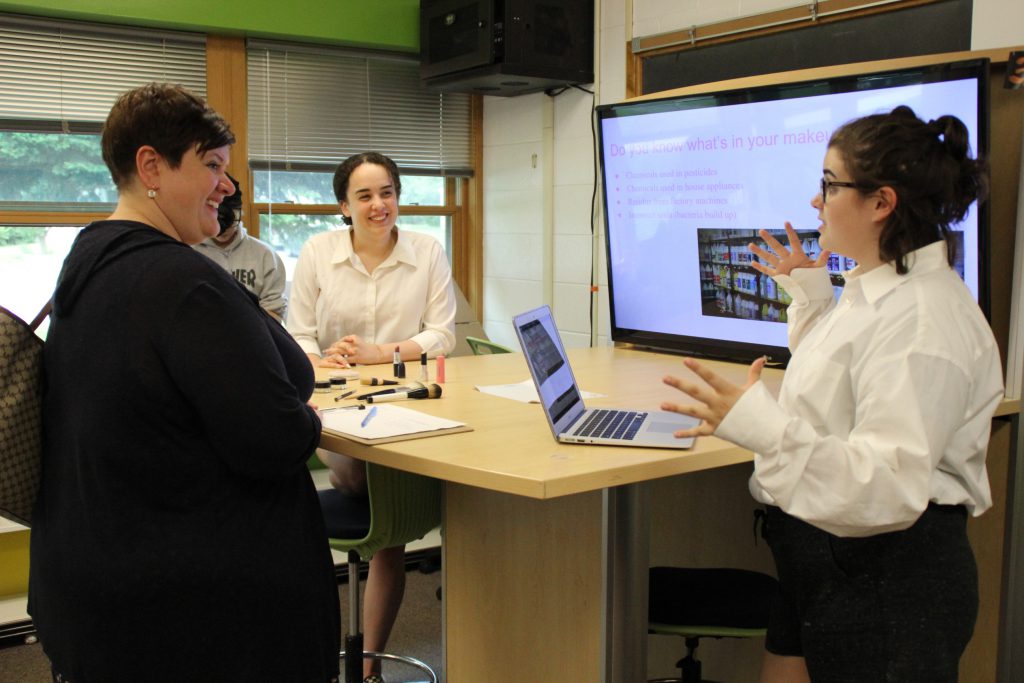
column 369, row 416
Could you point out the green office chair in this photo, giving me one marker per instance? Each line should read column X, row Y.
column 482, row 347
column 403, row 507
column 707, row 603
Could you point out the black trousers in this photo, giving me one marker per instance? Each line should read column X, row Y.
column 898, row 606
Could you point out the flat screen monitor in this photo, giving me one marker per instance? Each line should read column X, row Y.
column 690, row 180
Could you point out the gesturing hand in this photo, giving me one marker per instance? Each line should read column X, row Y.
column 715, row 397
column 1017, row 77
column 782, row 261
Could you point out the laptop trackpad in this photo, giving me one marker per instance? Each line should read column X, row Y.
column 665, row 427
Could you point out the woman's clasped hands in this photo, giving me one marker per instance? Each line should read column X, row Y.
column 352, row 349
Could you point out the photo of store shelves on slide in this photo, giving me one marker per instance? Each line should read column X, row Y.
column 732, row 288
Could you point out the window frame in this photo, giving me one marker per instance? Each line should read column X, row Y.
column 449, row 209
column 460, row 208
column 226, row 91
column 65, row 214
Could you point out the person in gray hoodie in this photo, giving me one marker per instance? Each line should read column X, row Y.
column 252, row 262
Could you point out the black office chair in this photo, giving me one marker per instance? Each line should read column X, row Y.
column 707, row 603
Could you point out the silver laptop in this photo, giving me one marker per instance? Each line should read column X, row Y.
column 570, row 420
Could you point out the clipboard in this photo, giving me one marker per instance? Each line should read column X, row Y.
column 391, row 423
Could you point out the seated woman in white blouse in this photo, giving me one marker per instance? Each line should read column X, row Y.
column 874, row 453
column 358, row 294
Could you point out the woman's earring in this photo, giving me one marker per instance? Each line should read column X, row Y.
column 151, row 193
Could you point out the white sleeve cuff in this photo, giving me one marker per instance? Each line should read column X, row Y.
column 806, row 284
column 756, row 421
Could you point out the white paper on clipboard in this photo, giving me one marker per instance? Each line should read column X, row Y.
column 390, row 422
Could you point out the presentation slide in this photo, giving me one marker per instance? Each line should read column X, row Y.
column 687, row 190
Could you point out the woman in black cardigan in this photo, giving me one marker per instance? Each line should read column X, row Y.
column 177, row 534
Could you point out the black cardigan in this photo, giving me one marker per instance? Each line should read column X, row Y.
column 177, row 535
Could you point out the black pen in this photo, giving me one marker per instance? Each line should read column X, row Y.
column 360, row 406
column 363, row 397
column 341, row 396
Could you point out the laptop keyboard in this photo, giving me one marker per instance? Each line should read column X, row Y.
column 611, row 424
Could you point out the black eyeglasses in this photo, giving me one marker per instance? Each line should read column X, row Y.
column 826, row 184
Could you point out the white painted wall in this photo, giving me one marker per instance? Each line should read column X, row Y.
column 996, row 23
column 513, row 212
column 651, row 17
column 520, row 181
column 538, row 153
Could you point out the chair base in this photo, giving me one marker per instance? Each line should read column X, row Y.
column 402, row 659
column 691, row 668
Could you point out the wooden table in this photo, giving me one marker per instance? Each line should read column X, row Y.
column 546, row 545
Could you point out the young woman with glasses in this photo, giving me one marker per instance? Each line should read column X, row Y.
column 873, row 455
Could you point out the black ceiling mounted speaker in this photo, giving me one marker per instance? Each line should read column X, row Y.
column 506, row 47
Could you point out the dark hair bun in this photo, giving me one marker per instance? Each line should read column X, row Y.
column 235, row 200
column 928, row 165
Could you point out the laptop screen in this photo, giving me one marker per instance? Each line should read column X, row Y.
column 556, row 386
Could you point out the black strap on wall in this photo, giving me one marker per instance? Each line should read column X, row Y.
column 925, row 29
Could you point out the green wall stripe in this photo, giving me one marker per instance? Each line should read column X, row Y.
column 384, row 24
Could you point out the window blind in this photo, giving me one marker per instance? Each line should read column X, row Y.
column 58, row 75
column 310, row 108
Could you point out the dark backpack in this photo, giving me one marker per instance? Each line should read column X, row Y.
column 21, row 412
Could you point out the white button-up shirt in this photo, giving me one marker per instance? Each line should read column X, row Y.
column 886, row 404
column 408, row 296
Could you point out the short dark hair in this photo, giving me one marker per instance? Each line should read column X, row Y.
column 166, row 117
column 928, row 165
column 228, row 206
column 345, row 169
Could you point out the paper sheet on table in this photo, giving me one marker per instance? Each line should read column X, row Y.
column 391, row 422
column 524, row 392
